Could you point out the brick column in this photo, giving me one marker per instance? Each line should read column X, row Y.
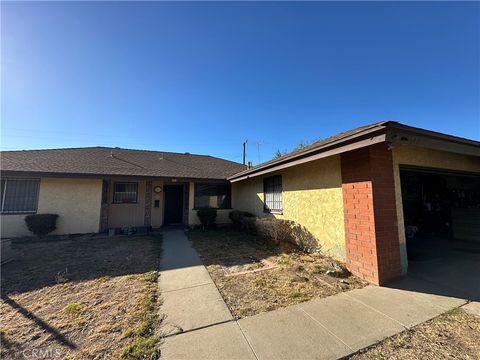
column 147, row 217
column 371, row 234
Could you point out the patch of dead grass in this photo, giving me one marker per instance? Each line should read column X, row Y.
column 453, row 335
column 296, row 277
column 110, row 290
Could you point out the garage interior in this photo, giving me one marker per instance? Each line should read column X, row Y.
column 442, row 227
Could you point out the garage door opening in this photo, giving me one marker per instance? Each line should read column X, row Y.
column 441, row 211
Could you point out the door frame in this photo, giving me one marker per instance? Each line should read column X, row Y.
column 182, row 186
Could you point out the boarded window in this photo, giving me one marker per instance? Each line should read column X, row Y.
column 272, row 188
column 125, row 193
column 19, row 195
column 217, row 196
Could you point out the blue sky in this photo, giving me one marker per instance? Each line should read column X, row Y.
column 202, row 77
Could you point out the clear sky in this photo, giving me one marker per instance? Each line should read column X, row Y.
column 202, row 77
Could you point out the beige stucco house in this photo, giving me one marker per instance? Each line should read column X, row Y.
column 95, row 189
column 360, row 193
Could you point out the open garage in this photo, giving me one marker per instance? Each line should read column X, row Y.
column 441, row 212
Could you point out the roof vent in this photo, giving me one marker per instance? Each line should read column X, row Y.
column 160, row 157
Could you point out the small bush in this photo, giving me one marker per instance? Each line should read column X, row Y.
column 207, row 217
column 151, row 276
column 274, row 229
column 285, row 231
column 238, row 217
column 41, row 224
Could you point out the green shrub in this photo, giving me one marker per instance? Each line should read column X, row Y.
column 41, row 224
column 239, row 218
column 207, row 217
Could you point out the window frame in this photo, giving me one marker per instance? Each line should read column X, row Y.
column 229, row 195
column 267, row 209
column 4, row 194
column 115, row 183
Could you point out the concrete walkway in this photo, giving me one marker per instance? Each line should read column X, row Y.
column 328, row 328
column 190, row 298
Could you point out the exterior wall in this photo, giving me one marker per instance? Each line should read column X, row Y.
column 222, row 214
column 373, row 250
column 416, row 156
column 76, row 201
column 312, row 197
column 13, row 225
column 123, row 215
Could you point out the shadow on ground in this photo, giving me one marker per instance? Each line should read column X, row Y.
column 443, row 267
column 40, row 263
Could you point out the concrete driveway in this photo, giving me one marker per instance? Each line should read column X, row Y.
column 445, row 267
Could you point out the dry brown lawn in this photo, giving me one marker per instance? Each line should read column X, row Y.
column 453, row 335
column 295, row 276
column 84, row 298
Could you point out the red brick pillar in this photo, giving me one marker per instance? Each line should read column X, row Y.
column 371, row 234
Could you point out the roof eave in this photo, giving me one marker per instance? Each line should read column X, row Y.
column 39, row 174
column 392, row 132
column 365, row 138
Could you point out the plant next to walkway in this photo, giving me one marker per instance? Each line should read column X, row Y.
column 207, row 217
column 254, row 275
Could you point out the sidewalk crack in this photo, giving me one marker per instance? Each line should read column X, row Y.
column 246, row 339
column 377, row 311
column 323, row 326
column 185, row 288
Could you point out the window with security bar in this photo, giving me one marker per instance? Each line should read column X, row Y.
column 272, row 189
column 125, row 193
column 19, row 196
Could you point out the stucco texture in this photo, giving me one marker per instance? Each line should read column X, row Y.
column 312, row 197
column 76, row 201
column 416, row 156
column 13, row 225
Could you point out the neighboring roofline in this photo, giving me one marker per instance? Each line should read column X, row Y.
column 38, row 174
column 387, row 131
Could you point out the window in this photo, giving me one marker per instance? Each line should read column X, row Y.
column 217, row 196
column 19, row 195
column 272, row 187
column 125, row 193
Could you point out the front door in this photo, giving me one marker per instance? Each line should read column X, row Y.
column 173, row 204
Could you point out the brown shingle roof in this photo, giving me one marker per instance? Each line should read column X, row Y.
column 344, row 137
column 117, row 161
